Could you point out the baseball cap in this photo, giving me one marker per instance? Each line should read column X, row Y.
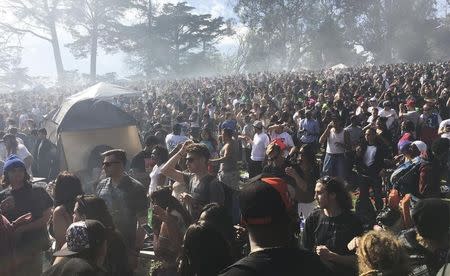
column 82, row 236
column 411, row 103
column 403, row 146
column 265, row 201
column 13, row 161
column 421, row 146
column 373, row 99
column 229, row 124
column 258, row 124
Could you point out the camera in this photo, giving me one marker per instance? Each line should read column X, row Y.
column 292, row 159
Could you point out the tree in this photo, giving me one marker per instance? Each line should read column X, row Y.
column 173, row 41
column 36, row 18
column 94, row 22
column 280, row 32
column 12, row 76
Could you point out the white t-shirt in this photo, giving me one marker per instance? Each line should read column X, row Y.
column 369, row 155
column 22, row 153
column 332, row 147
column 442, row 125
column 286, row 138
column 369, row 109
column 22, row 119
column 391, row 116
column 259, row 145
column 173, row 140
column 154, row 175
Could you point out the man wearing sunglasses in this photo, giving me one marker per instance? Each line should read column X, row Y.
column 202, row 187
column 126, row 200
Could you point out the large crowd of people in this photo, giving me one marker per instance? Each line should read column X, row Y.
column 306, row 173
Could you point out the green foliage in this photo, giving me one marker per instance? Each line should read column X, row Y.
column 173, row 41
column 93, row 23
column 286, row 34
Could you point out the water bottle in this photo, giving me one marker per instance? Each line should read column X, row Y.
column 150, row 215
column 301, row 223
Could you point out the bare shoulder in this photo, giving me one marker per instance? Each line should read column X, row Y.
column 60, row 211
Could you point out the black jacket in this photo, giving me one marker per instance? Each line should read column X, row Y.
column 377, row 165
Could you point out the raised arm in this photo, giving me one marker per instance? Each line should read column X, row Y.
column 323, row 138
column 168, row 169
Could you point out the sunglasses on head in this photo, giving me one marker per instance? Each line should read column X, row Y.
column 325, row 179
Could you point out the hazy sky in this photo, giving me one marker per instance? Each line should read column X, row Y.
column 38, row 55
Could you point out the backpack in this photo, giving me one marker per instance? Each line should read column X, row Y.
column 228, row 192
column 406, row 177
column 432, row 121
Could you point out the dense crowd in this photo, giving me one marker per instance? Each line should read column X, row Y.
column 313, row 173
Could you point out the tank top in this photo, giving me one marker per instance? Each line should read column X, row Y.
column 333, row 139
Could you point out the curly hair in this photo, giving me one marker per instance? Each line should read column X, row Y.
column 199, row 150
column 380, row 252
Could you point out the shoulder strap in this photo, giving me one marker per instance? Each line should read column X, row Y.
column 207, row 180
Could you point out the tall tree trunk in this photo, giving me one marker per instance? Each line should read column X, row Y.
column 94, row 46
column 389, row 31
column 177, row 53
column 148, row 66
column 55, row 42
column 150, row 17
column 57, row 53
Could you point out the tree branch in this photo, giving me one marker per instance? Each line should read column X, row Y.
column 22, row 31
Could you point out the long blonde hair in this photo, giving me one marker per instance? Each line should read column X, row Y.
column 380, row 253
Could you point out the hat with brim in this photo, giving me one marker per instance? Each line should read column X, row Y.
column 430, row 100
column 258, row 124
column 82, row 236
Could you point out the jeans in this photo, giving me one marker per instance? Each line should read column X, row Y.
column 334, row 165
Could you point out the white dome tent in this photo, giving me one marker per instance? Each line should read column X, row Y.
column 86, row 121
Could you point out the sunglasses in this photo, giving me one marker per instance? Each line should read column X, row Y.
column 273, row 157
column 190, row 159
column 326, row 179
column 107, row 164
